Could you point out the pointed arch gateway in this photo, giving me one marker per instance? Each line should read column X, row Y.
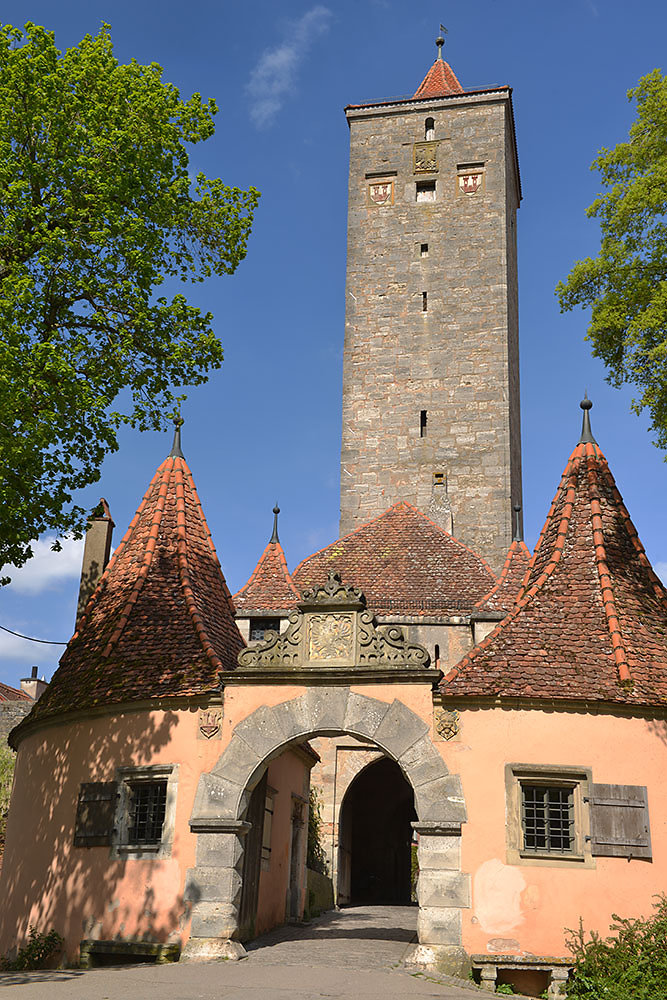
column 214, row 885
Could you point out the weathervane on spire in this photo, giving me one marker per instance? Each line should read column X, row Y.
column 440, row 40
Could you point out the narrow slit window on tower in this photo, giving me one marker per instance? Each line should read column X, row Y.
column 425, row 191
column 422, row 423
column 424, row 302
column 429, row 129
column 424, row 250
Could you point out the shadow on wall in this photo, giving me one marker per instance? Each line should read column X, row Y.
column 46, row 882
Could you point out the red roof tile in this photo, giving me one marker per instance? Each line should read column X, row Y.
column 8, row 693
column 440, row 81
column 503, row 596
column 160, row 623
column 403, row 562
column 591, row 619
column 270, row 586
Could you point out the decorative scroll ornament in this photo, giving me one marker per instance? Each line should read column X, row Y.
column 333, row 630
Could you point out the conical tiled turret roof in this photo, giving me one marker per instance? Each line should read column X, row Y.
column 403, row 562
column 270, row 586
column 160, row 623
column 591, row 620
column 440, row 81
column 503, row 596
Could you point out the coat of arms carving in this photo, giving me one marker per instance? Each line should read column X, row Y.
column 381, row 192
column 447, row 722
column 209, row 724
column 470, row 183
column 425, row 157
column 330, row 637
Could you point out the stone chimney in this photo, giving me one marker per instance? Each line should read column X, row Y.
column 440, row 508
column 96, row 553
column 33, row 686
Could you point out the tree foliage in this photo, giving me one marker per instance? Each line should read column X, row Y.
column 316, row 858
column 7, row 760
column 626, row 284
column 631, row 963
column 97, row 210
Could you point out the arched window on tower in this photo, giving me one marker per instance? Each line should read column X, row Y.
column 429, row 129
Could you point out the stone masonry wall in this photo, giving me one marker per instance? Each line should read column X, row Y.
column 458, row 359
column 11, row 713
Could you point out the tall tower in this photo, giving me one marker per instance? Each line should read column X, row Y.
column 431, row 359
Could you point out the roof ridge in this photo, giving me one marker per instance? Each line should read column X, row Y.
column 146, row 561
column 608, row 602
column 519, row 543
column 183, row 569
column 209, row 536
column 527, row 595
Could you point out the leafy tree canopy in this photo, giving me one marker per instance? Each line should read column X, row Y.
column 626, row 284
column 97, row 209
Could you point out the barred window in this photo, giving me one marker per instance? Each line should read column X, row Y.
column 147, row 806
column 259, row 626
column 547, row 816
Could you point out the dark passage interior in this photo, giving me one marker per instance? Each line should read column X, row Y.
column 375, row 837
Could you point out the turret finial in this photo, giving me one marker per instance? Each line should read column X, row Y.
column 276, row 511
column 176, row 446
column 586, row 432
column 518, row 526
column 440, row 40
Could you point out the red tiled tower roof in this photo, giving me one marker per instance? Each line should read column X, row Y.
column 160, row 623
column 270, row 586
column 591, row 620
column 440, row 81
column 403, row 562
column 503, row 596
column 8, row 693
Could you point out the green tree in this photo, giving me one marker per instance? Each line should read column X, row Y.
column 626, row 284
column 7, row 760
column 97, row 209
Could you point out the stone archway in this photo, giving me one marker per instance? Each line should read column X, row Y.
column 214, row 884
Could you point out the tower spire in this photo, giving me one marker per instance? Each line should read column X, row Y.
column 586, row 432
column 440, row 40
column 176, row 446
column 274, row 536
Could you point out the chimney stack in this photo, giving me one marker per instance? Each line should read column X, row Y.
column 96, row 553
column 32, row 686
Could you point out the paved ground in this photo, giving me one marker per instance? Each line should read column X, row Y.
column 348, row 954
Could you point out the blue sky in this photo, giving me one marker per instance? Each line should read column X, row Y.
column 267, row 427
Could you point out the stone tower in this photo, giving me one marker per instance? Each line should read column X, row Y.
column 431, row 359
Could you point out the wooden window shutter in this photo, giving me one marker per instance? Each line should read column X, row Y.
column 619, row 821
column 95, row 813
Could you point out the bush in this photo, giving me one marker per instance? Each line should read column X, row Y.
column 35, row 954
column 316, row 858
column 7, row 759
column 630, row 964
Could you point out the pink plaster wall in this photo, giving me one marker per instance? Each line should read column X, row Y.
column 286, row 774
column 525, row 908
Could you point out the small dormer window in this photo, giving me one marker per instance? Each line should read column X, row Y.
column 260, row 626
column 429, row 129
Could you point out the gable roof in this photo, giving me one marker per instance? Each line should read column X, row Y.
column 591, row 619
column 403, row 562
column 503, row 596
column 270, row 587
column 440, row 81
column 8, row 693
column 160, row 622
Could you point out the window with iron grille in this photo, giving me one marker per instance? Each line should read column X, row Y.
column 547, row 817
column 147, row 806
column 259, row 626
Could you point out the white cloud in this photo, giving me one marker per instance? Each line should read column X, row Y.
column 274, row 76
column 47, row 569
column 17, row 651
column 661, row 570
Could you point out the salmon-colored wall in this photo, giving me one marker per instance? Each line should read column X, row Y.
column 525, row 908
column 81, row 892
column 287, row 774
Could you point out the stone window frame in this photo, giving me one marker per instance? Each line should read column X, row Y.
column 122, row 848
column 579, row 779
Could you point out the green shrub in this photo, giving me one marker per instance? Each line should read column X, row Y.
column 35, row 954
column 630, row 964
column 316, row 858
column 7, row 759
